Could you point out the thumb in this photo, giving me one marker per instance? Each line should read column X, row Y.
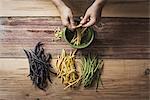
column 85, row 19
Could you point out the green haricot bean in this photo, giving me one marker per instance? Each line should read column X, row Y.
column 92, row 70
column 78, row 35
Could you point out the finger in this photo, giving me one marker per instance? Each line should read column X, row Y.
column 91, row 22
column 85, row 19
column 65, row 22
column 72, row 23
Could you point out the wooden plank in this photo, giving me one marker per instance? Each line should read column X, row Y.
column 123, row 80
column 114, row 8
column 118, row 38
column 121, row 38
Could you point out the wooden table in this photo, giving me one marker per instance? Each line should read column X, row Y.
column 123, row 43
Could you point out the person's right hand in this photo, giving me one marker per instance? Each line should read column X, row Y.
column 67, row 17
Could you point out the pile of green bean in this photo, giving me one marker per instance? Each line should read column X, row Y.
column 92, row 68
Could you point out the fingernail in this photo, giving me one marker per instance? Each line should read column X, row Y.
column 81, row 17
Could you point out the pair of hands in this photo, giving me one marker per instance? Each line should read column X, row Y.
column 92, row 15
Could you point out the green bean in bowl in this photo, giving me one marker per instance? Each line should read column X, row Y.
column 80, row 38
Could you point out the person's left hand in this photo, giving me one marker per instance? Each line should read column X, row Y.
column 92, row 15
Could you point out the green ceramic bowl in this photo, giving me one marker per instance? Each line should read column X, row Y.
column 86, row 40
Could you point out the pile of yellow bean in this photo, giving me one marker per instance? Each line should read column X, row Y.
column 66, row 69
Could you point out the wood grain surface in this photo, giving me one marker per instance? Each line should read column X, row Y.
column 122, row 79
column 117, row 38
column 122, row 42
column 114, row 8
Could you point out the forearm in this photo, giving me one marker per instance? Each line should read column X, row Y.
column 100, row 3
column 58, row 3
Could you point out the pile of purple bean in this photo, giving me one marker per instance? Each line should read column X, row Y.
column 40, row 67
